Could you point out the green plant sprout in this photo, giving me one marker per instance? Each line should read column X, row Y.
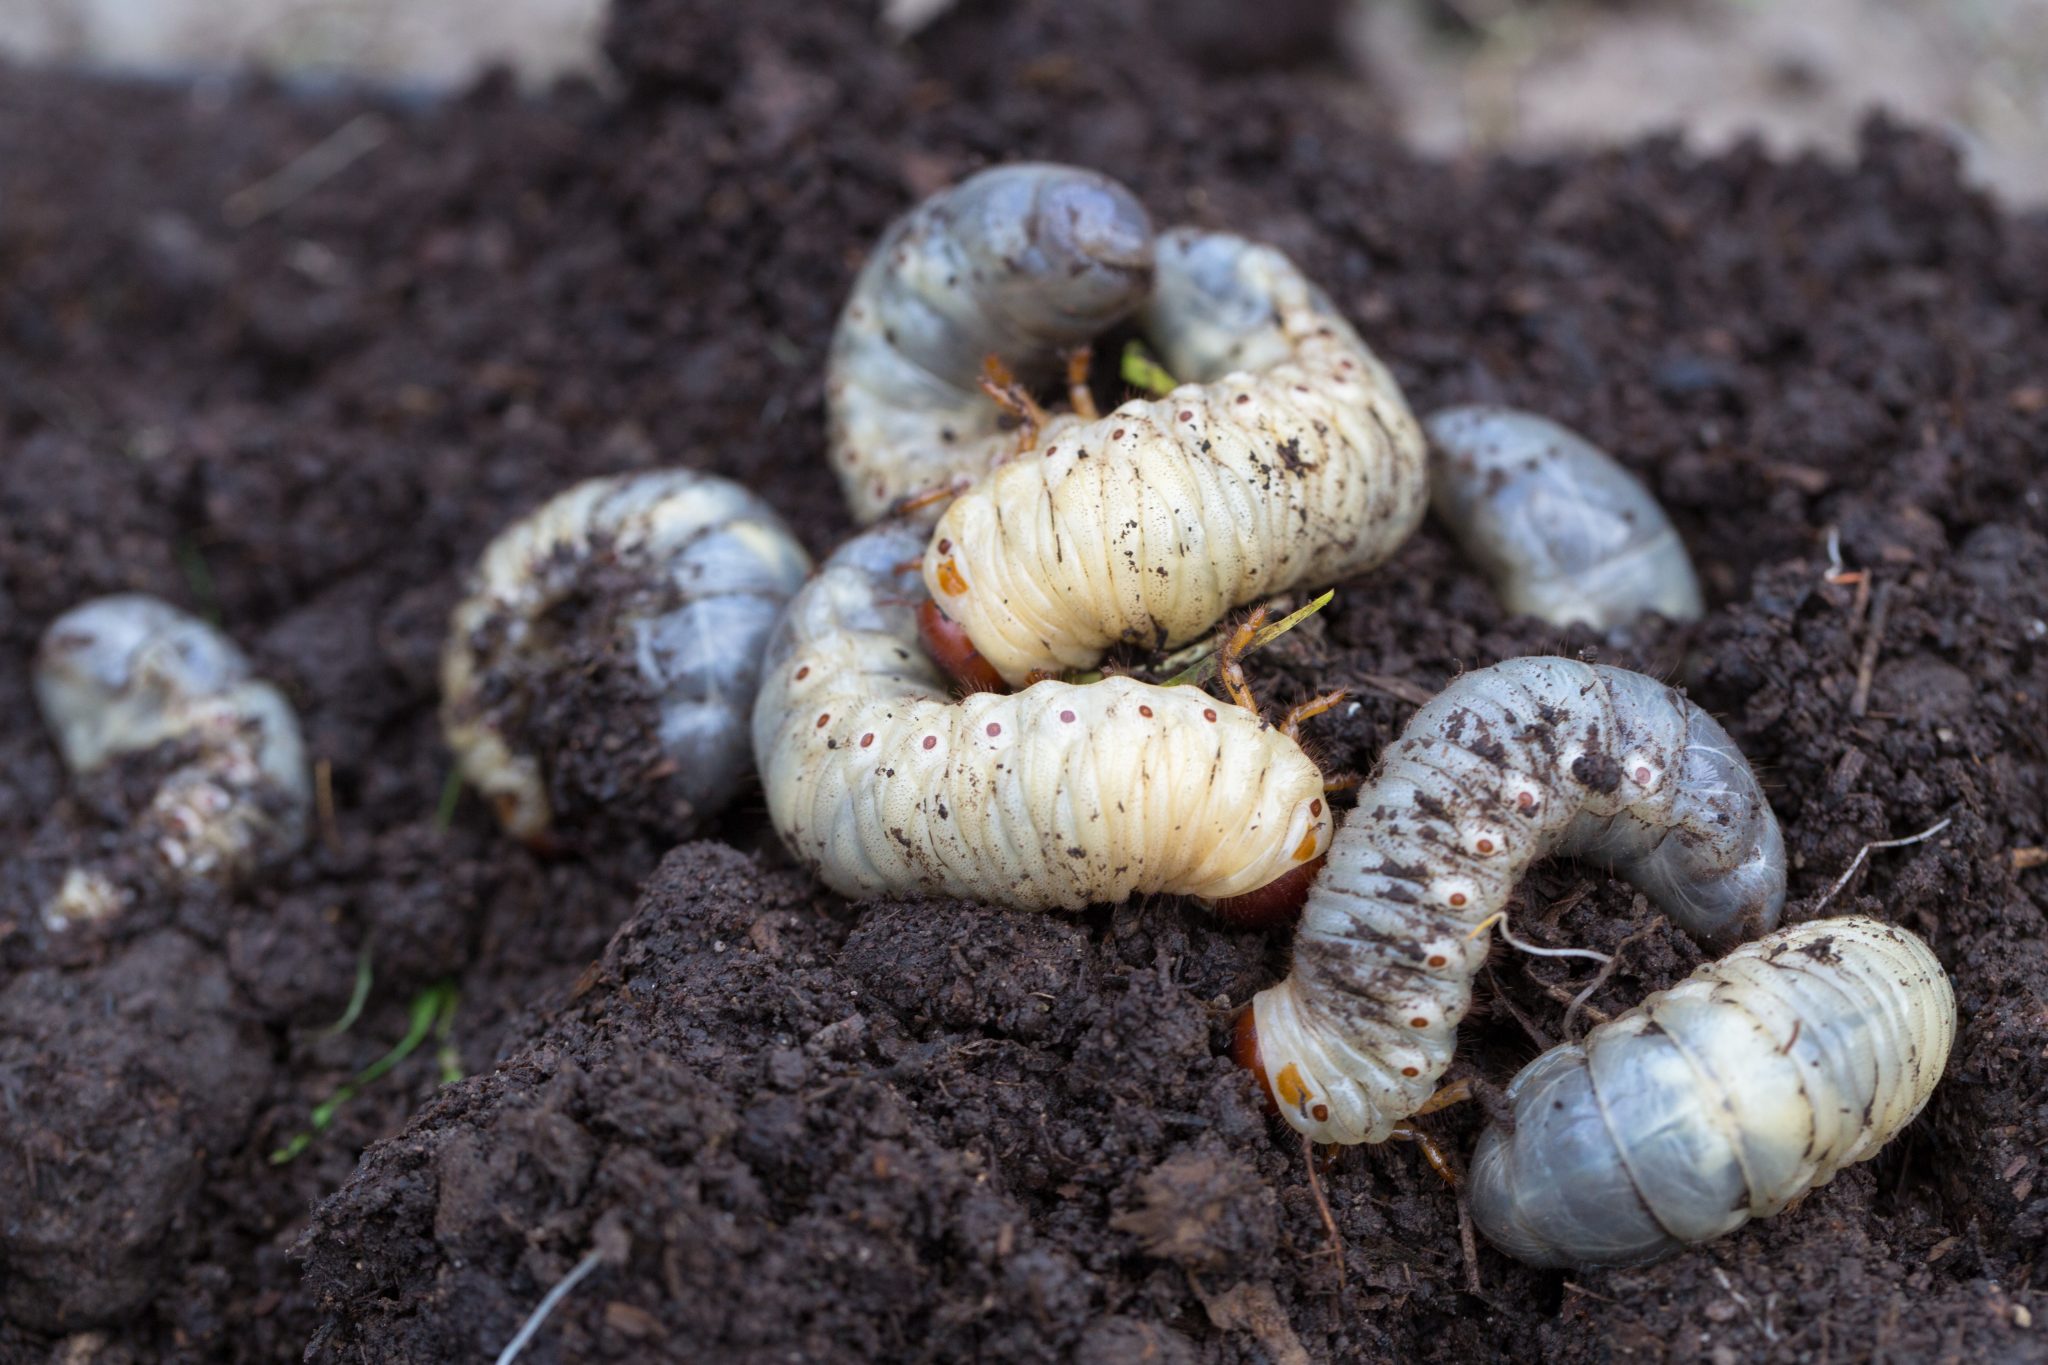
column 1139, row 370
column 432, row 1012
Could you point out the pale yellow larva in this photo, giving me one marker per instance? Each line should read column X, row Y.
column 1293, row 460
column 1056, row 796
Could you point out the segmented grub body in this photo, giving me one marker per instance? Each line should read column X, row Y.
column 1055, row 796
column 706, row 568
column 1564, row 531
column 126, row 674
column 1019, row 261
column 1291, row 459
column 1507, row 765
column 1722, row 1099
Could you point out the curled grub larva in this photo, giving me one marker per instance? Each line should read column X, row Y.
column 1722, row 1099
column 1056, row 796
column 1293, row 460
column 1510, row 764
column 1018, row 262
column 128, row 674
column 693, row 571
column 1564, row 532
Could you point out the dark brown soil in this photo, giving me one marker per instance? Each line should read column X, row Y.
column 793, row 1129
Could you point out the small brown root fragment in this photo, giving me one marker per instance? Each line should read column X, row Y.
column 323, row 804
column 1873, row 640
column 1468, row 1244
column 1315, row 1187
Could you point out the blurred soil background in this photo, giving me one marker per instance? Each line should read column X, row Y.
column 1456, row 75
column 291, row 360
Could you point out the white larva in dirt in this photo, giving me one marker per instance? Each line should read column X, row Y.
column 1020, row 262
column 1056, row 796
column 1293, row 459
column 1507, row 765
column 1564, row 531
column 705, row 567
column 125, row 674
column 1720, row 1100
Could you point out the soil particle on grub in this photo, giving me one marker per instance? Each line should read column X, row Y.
column 785, row 1126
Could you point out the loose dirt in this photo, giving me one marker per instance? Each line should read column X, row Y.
column 789, row 1128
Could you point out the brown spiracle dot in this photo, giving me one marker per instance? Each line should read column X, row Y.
column 1145, row 711
column 1209, row 713
column 945, row 546
column 803, row 673
column 1067, row 717
column 1320, row 1112
column 1187, row 414
column 822, row 718
column 1457, row 898
column 994, row 729
column 1410, row 1071
column 1484, row 845
column 1315, row 807
column 931, row 741
column 1418, row 1022
column 1439, row 960
column 1117, row 435
column 1643, row 776
column 867, row 739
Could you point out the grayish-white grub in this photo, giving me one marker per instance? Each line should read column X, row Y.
column 1291, row 458
column 1020, row 262
column 1722, row 1099
column 1564, row 531
column 1507, row 765
column 125, row 674
column 710, row 566
column 1056, row 796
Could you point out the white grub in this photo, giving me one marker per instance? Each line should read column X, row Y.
column 1020, row 262
column 1564, row 532
column 1723, row 1099
column 1508, row 765
column 711, row 564
column 122, row 675
column 1290, row 459
column 1056, row 796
